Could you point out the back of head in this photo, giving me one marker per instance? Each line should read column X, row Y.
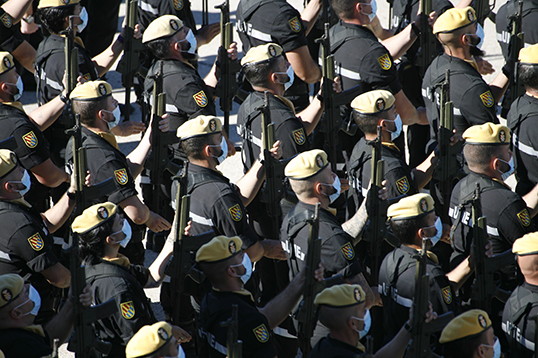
column 465, row 333
column 369, row 107
column 303, row 171
column 196, row 133
column 452, row 24
column 215, row 256
column 483, row 143
column 409, row 215
column 259, row 62
column 89, row 98
column 528, row 67
column 159, row 35
column 53, row 13
column 149, row 341
column 337, row 304
column 526, row 249
column 345, row 9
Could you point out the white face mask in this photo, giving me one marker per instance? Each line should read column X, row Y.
column 84, row 18
column 291, row 77
column 439, row 227
column 20, row 89
column 26, row 181
column 224, row 147
column 33, row 296
column 127, row 230
column 367, row 324
column 371, row 15
column 337, row 186
column 191, row 39
column 398, row 122
column 507, row 174
column 247, row 264
column 496, row 348
column 117, row 117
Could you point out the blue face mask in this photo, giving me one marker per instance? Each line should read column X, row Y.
column 372, row 14
column 507, row 174
column 193, row 43
column 367, row 324
column 127, row 231
column 20, row 89
column 337, row 186
column 496, row 348
column 247, row 264
column 83, row 18
column 439, row 227
column 398, row 123
column 224, row 147
column 291, row 77
column 26, row 181
column 33, row 296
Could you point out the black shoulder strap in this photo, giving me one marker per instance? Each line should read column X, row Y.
column 340, row 37
column 196, row 180
column 250, row 6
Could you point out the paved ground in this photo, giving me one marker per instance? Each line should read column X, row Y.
column 232, row 166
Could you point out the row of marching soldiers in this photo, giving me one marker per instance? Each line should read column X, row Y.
column 363, row 283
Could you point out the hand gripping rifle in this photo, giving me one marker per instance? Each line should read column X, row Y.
column 227, row 85
column 420, row 343
column 517, row 42
column 84, row 340
column 130, row 62
column 485, row 288
column 234, row 345
column 428, row 43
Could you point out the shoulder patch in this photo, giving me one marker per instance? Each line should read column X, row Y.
column 524, row 217
column 261, row 333
column 36, row 242
column 402, row 185
column 348, row 251
column 30, row 139
column 236, row 213
column 127, row 309
column 200, row 98
column 447, row 295
column 121, row 176
column 178, row 4
column 487, row 99
column 87, row 77
column 385, row 62
column 299, row 136
column 295, row 24
column 6, row 20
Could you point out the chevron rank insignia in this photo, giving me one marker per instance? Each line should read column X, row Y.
column 127, row 309
column 524, row 217
column 178, row 4
column 487, row 99
column 6, row 20
column 200, row 98
column 348, row 251
column 36, row 242
column 384, row 62
column 299, row 136
column 30, row 139
column 261, row 333
column 402, row 185
column 121, row 176
column 295, row 24
column 236, row 213
column 447, row 295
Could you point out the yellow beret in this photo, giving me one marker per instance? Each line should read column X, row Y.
column 2, row 355
column 201, row 125
column 306, row 164
column 341, row 296
column 6, row 62
column 164, row 26
column 261, row 53
column 454, row 19
column 529, row 55
column 373, row 102
column 467, row 324
column 219, row 248
column 56, row 3
column 410, row 207
column 8, row 162
column 91, row 90
column 487, row 133
column 526, row 245
column 11, row 286
column 93, row 217
column 148, row 340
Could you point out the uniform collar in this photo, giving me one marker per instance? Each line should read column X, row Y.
column 242, row 292
column 78, row 40
column 109, row 137
column 410, row 250
column 17, row 105
column 119, row 260
column 472, row 63
column 391, row 145
column 336, row 342
column 36, row 328
column 492, row 179
column 287, row 102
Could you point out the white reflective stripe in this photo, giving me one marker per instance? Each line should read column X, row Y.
column 243, row 132
column 170, row 108
column 492, row 230
column 61, row 242
column 524, row 341
column 340, row 166
column 523, row 147
column 406, row 302
column 425, row 92
column 349, row 74
column 283, row 333
column 148, row 8
column 457, row 111
column 5, row 256
column 262, row 36
column 212, row 341
column 200, row 220
column 144, row 179
column 364, row 192
column 57, row 86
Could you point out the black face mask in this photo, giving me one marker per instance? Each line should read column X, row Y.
column 475, row 51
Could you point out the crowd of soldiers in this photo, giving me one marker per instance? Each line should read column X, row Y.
column 333, row 243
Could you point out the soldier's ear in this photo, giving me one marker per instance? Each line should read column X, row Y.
column 317, row 188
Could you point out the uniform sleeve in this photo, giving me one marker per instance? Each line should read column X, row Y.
column 257, row 341
column 32, row 148
column 441, row 294
column 293, row 137
column 130, row 316
column 478, row 106
column 288, row 30
column 29, row 244
column 339, row 256
column 125, row 184
column 10, row 36
column 399, row 183
column 377, row 69
column 194, row 100
column 231, row 219
column 140, row 273
column 514, row 222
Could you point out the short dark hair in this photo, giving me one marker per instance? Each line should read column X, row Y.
column 406, row 229
column 528, row 74
column 92, row 243
column 368, row 122
column 88, row 109
column 54, row 17
column 258, row 74
column 344, row 8
column 193, row 147
column 160, row 47
column 464, row 347
column 479, row 156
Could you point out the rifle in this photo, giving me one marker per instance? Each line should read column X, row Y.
column 227, row 85
column 234, row 345
column 420, row 343
column 205, row 12
column 130, row 62
column 84, row 339
column 376, row 225
column 71, row 69
column 485, row 287
column 332, row 100
column 483, row 10
column 181, row 264
column 428, row 42
column 517, row 42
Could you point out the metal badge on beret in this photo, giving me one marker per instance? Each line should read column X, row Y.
column 162, row 334
column 319, row 161
column 102, row 212
column 272, row 50
column 357, row 294
column 380, row 104
column 7, row 295
column 232, row 248
column 423, row 205
column 7, row 62
column 502, row 136
column 102, row 89
column 470, row 15
column 212, row 125
column 174, row 25
column 482, row 321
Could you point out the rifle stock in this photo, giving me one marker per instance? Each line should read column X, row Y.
column 428, row 43
column 234, row 345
